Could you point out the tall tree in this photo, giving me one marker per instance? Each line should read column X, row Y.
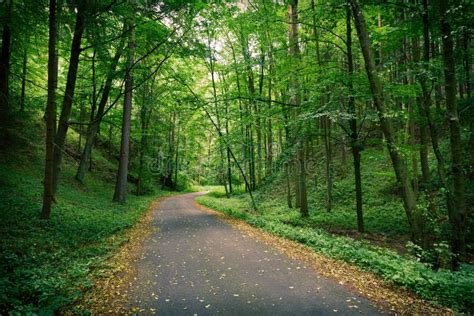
column 457, row 216
column 63, row 124
column 50, row 113
column 300, row 167
column 5, row 57
column 398, row 163
column 120, row 194
column 96, row 120
column 354, row 132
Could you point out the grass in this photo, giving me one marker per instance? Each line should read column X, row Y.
column 48, row 264
column 451, row 289
column 328, row 233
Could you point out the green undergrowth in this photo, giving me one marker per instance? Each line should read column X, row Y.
column 47, row 264
column 451, row 289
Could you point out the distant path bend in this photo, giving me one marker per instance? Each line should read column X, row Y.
column 196, row 264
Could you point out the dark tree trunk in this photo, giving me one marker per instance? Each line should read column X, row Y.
column 355, row 142
column 50, row 113
column 229, row 167
column 23, row 81
column 96, row 120
column 399, row 165
column 287, row 161
column 328, row 150
column 426, row 107
column 176, row 158
column 120, row 194
column 5, row 58
column 423, row 124
column 300, row 167
column 457, row 216
column 63, row 125
column 269, row 156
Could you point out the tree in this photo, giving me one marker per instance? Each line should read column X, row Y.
column 120, row 194
column 300, row 167
column 457, row 214
column 5, row 58
column 96, row 120
column 354, row 132
column 398, row 163
column 63, row 124
column 50, row 113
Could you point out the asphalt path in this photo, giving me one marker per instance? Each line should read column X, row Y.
column 195, row 264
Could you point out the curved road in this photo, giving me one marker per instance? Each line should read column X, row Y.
column 195, row 264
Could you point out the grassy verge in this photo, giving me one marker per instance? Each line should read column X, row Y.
column 451, row 289
column 45, row 265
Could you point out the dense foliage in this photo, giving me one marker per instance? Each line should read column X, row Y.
column 353, row 117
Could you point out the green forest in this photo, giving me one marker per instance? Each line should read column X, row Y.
column 346, row 126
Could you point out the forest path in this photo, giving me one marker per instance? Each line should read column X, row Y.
column 196, row 264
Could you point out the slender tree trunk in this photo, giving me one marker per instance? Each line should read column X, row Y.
column 50, row 113
column 355, row 142
column 23, row 81
column 5, row 58
column 325, row 122
column 467, row 61
column 269, row 167
column 412, row 142
column 300, row 167
column 423, row 124
column 222, row 176
column 328, row 149
column 176, row 158
column 168, row 180
column 287, row 161
column 457, row 216
column 426, row 106
column 96, row 120
column 399, row 165
column 258, row 120
column 120, row 194
column 226, row 113
column 229, row 168
column 63, row 125
column 82, row 113
column 242, row 123
column 94, row 85
column 249, row 106
column 144, row 119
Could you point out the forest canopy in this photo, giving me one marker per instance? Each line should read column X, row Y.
column 355, row 117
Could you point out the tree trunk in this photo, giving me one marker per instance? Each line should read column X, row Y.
column 229, row 168
column 23, row 81
column 82, row 113
column 300, row 167
column 355, row 142
column 269, row 157
column 96, row 120
column 120, row 194
column 258, row 121
column 222, row 177
column 5, row 58
column 457, row 216
column 287, row 161
column 50, row 113
column 63, row 124
column 328, row 149
column 399, row 165
column 176, row 158
column 423, row 124
column 145, row 114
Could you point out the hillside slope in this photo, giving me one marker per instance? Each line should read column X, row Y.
column 47, row 264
